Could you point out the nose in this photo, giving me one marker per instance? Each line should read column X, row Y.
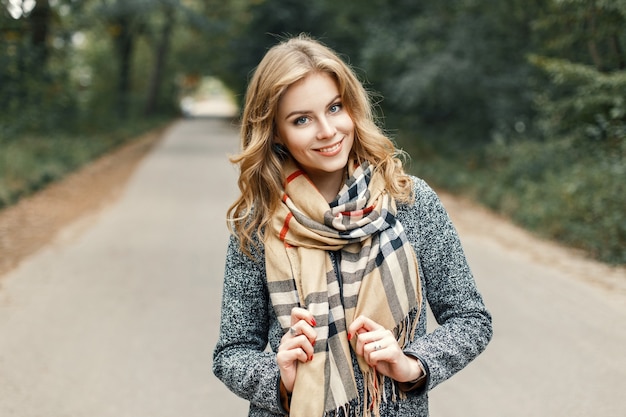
column 326, row 129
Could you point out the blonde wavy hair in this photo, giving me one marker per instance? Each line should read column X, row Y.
column 260, row 165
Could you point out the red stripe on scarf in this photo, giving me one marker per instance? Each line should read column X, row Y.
column 293, row 176
column 356, row 213
column 285, row 228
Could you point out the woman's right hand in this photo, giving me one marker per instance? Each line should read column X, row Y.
column 296, row 345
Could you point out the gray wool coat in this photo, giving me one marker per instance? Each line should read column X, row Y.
column 245, row 360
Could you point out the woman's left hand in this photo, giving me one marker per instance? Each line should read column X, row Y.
column 381, row 350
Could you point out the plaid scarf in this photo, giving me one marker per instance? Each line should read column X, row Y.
column 379, row 279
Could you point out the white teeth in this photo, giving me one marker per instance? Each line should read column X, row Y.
column 331, row 149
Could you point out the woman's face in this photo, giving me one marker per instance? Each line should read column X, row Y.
column 316, row 129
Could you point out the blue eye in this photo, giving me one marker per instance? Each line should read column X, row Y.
column 335, row 107
column 300, row 120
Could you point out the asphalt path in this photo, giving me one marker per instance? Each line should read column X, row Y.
column 119, row 315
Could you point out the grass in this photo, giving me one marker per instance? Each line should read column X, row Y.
column 33, row 160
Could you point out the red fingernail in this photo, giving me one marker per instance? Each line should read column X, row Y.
column 310, row 358
column 349, row 336
column 313, row 322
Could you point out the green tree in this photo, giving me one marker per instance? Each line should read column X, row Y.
column 33, row 83
column 67, row 61
column 455, row 66
column 585, row 68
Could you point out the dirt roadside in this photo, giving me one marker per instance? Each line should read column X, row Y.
column 36, row 221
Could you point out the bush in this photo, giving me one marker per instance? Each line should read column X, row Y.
column 567, row 189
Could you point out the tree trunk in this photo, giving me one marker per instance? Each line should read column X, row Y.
column 619, row 52
column 592, row 44
column 40, row 18
column 160, row 60
column 124, row 43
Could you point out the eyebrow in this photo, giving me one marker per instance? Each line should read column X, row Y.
column 308, row 111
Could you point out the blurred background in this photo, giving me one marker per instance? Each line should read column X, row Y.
column 520, row 105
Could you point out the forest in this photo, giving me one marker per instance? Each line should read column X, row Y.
column 519, row 105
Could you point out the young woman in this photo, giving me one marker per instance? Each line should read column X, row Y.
column 334, row 251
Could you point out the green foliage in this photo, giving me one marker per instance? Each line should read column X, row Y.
column 585, row 32
column 583, row 101
column 454, row 64
column 67, row 64
column 33, row 80
column 565, row 189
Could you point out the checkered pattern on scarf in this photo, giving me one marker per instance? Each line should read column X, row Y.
column 378, row 279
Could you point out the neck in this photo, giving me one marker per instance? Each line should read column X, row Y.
column 329, row 186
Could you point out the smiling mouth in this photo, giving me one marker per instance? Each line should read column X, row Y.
column 331, row 148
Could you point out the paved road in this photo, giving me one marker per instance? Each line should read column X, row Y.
column 119, row 316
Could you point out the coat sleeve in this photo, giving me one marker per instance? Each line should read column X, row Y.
column 240, row 358
column 465, row 323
